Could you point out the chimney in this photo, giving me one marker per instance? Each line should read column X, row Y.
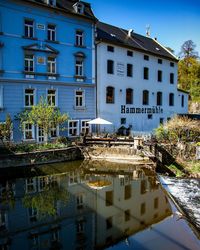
column 130, row 32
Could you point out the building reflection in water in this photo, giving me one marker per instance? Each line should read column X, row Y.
column 79, row 208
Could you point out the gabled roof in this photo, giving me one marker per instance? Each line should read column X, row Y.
column 41, row 48
column 67, row 7
column 118, row 36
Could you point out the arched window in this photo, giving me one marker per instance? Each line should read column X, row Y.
column 145, row 97
column 129, row 96
column 110, row 94
column 171, row 99
column 159, row 98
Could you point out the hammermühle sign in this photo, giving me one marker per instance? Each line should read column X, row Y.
column 132, row 110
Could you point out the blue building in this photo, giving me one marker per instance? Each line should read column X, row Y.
column 47, row 49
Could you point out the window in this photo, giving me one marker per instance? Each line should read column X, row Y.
column 127, row 192
column 29, row 97
column 33, row 213
column 109, row 198
column 171, row 64
column 79, row 67
column 2, row 220
column 28, row 131
column 127, row 215
column 79, row 8
column 146, row 73
column 129, row 96
column 182, row 101
column 110, row 94
column 146, row 57
column 79, row 201
column 1, row 97
column 150, row 116
column 30, row 185
column 80, row 226
column 142, row 208
column 51, row 32
column 28, row 28
column 109, row 223
column 171, row 78
column 85, row 127
column 73, row 128
column 110, row 48
column 79, row 38
column 143, row 187
column 129, row 70
column 161, row 121
column 51, row 65
column 160, row 61
column 159, row 98
column 123, row 121
column 156, row 203
column 145, row 97
column 129, row 53
column 29, row 63
column 110, row 67
column 54, row 130
column 159, row 76
column 42, row 181
column 79, row 98
column 171, row 99
column 51, row 97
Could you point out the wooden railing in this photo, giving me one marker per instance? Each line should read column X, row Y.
column 108, row 141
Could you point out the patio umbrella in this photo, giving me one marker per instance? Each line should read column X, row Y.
column 99, row 121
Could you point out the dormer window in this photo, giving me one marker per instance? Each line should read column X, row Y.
column 79, row 8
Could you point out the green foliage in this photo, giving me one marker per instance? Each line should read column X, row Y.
column 6, row 128
column 44, row 116
column 178, row 129
column 45, row 201
column 176, row 171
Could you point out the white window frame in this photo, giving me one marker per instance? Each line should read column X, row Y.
column 51, row 32
column 80, row 200
column 32, row 212
column 79, row 67
column 40, row 138
column 79, row 98
column 32, row 183
column 29, row 96
column 79, row 38
column 28, row 27
column 51, row 96
column 54, row 129
column 87, row 126
column 51, row 65
column 42, row 182
column 1, row 97
column 27, row 130
column 30, row 63
column 73, row 128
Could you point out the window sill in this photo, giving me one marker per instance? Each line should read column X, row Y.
column 80, row 46
column 51, row 41
column 30, row 38
column 83, row 108
column 40, row 74
column 80, row 78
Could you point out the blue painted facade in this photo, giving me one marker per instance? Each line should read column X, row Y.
column 43, row 58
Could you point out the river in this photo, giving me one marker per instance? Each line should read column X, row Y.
column 89, row 205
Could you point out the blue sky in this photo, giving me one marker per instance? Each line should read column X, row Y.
column 172, row 21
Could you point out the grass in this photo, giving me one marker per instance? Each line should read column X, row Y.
column 176, row 171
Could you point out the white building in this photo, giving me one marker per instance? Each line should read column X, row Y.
column 136, row 80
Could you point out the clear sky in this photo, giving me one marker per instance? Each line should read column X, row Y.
column 172, row 21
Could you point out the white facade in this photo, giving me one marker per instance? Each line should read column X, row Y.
column 139, row 117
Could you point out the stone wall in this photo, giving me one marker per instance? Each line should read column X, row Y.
column 41, row 157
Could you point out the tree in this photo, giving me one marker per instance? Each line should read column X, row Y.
column 6, row 129
column 44, row 116
column 188, row 50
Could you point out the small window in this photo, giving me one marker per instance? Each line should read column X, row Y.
column 159, row 98
column 79, row 8
column 145, row 97
column 146, row 57
column 129, row 70
column 142, row 208
column 29, row 97
column 129, row 53
column 171, row 78
column 30, row 185
column 110, row 48
column 28, row 28
column 29, row 63
column 159, row 75
column 129, row 96
column 127, row 192
column 73, row 128
column 85, row 127
column 146, row 73
column 51, row 65
column 54, row 130
column 123, row 121
column 110, row 67
column 156, row 203
column 171, row 99
column 182, row 101
column 110, row 95
column 150, row 116
column 127, row 215
column 51, row 97
column 109, row 198
column 28, row 131
column 159, row 61
column 79, row 98
column 79, row 38
column 109, row 223
column 171, row 64
column 51, row 32
column 79, row 201
column 79, row 67
column 161, row 121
